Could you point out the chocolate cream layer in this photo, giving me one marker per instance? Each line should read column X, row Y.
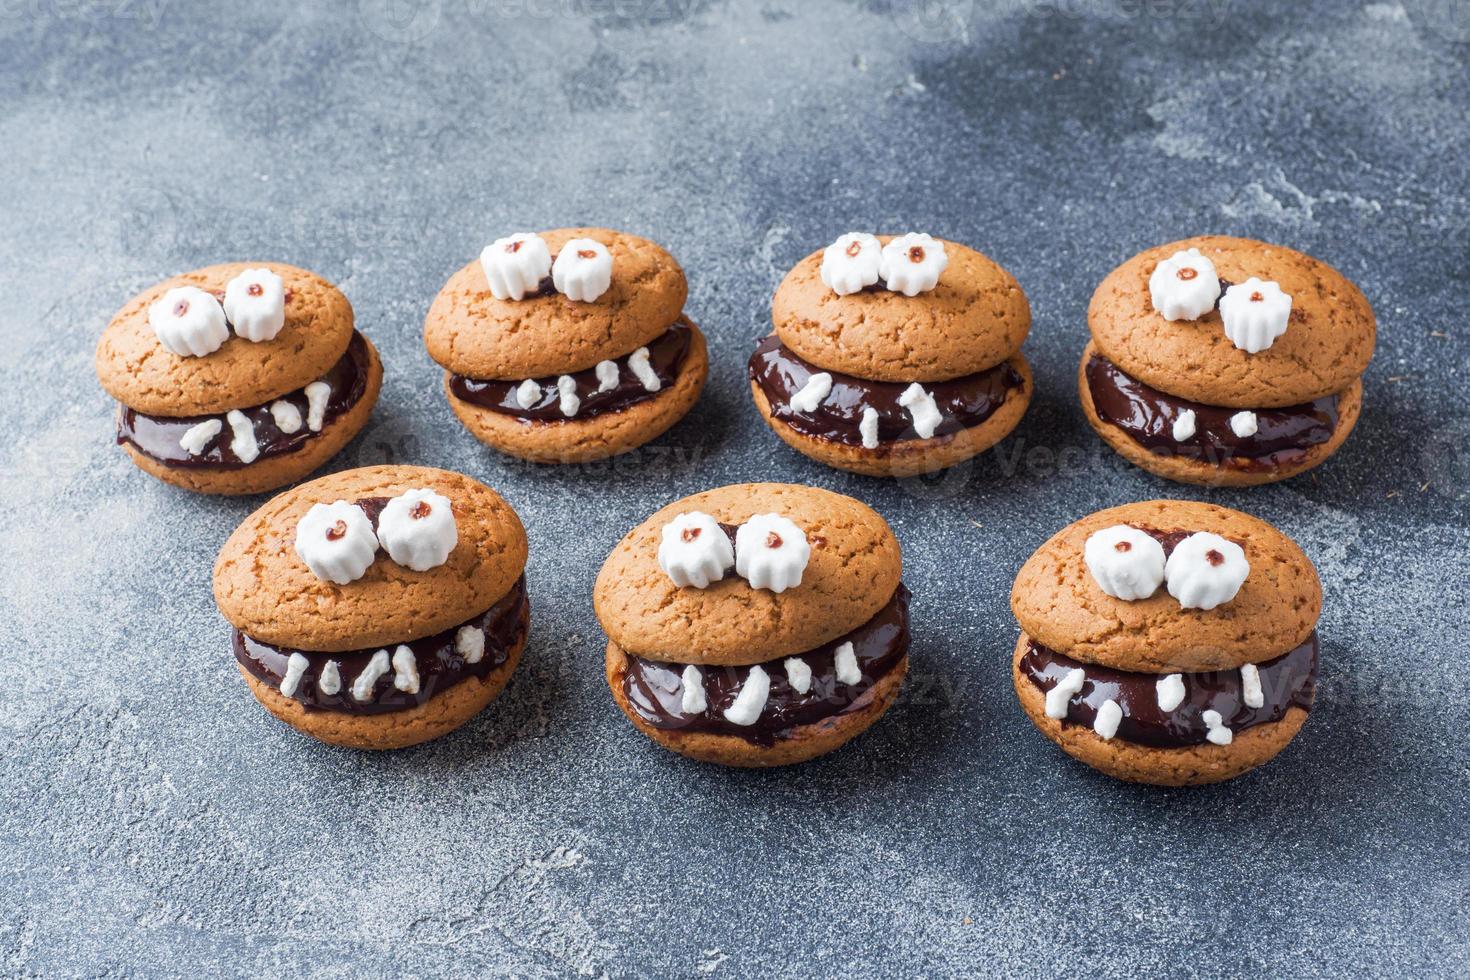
column 158, row 437
column 595, row 393
column 655, row 689
column 963, row 402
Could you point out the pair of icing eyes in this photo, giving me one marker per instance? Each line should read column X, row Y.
column 1203, row 571
column 338, row 542
column 515, row 266
column 1254, row 314
column 191, row 322
column 769, row 552
column 910, row 264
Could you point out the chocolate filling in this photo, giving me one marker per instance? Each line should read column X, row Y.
column 655, row 689
column 440, row 665
column 963, row 402
column 158, row 436
column 666, row 355
column 1289, row 680
column 1283, row 435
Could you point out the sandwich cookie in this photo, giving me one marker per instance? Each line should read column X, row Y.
column 1225, row 361
column 237, row 378
column 569, row 345
column 1168, row 642
column 379, row 607
column 755, row 625
column 894, row 356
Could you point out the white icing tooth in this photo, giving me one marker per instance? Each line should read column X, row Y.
column 1059, row 696
column 1205, row 570
column 1250, row 686
column 566, row 395
column 817, row 387
column 1243, row 424
column 771, row 552
column 418, row 530
column 643, row 371
column 336, row 541
column 851, row 263
column 287, row 416
column 912, row 264
column 515, row 266
column 1170, row 691
column 1184, row 286
column 1215, row 730
column 868, row 427
column 694, row 550
column 1125, row 562
column 751, row 700
column 469, row 642
column 845, row 659
column 693, row 702
column 197, row 438
column 295, row 667
column 1184, row 425
column 188, row 322
column 798, row 674
column 583, row 270
column 922, row 409
column 528, row 393
column 607, row 376
column 330, row 682
column 362, row 688
column 1108, row 717
column 405, row 670
column 1255, row 314
column 317, row 393
column 242, row 436
column 255, row 302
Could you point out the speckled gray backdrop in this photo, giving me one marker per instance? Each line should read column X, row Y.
column 153, row 819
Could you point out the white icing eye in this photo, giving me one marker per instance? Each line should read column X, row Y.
column 255, row 302
column 1255, row 314
column 417, row 529
column 695, row 551
column 516, row 265
column 912, row 264
column 1184, row 286
column 1205, row 570
column 851, row 263
column 336, row 542
column 771, row 552
column 188, row 322
column 583, row 270
column 1125, row 562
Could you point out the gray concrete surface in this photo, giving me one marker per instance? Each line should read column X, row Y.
column 153, row 820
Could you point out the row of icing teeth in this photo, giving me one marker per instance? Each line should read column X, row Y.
column 515, row 265
column 1254, row 313
column 770, row 551
column 748, row 705
column 910, row 264
column 243, row 444
column 469, row 643
column 1202, row 572
column 338, row 543
column 920, row 404
column 190, row 322
column 530, row 392
column 1170, row 692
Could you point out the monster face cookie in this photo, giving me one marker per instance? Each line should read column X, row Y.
column 1225, row 361
column 894, row 356
column 378, row 607
column 1168, row 642
column 567, row 346
column 755, row 625
column 237, row 378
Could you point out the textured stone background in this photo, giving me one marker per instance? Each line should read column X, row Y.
column 154, row 819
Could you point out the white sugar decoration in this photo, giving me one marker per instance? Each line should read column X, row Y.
column 515, row 265
column 1059, row 696
column 847, row 665
column 868, row 427
column 1254, row 314
column 242, row 436
column 851, row 263
column 330, row 682
column 362, row 688
column 287, row 416
column 1170, row 691
column 199, row 435
column 583, row 270
column 1205, row 570
column 255, row 302
column 295, row 667
column 694, row 550
column 317, row 394
column 336, row 541
column 607, row 376
column 1215, row 730
column 798, row 674
column 817, row 387
column 922, row 409
column 528, row 393
column 912, row 264
column 418, row 530
column 751, row 700
column 566, row 395
column 1243, row 424
column 771, row 552
column 188, row 322
column 643, row 371
column 1184, row 286
column 693, row 702
column 1126, row 563
column 1250, row 683
column 1108, row 717
column 469, row 642
column 1184, row 425
column 405, row 670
